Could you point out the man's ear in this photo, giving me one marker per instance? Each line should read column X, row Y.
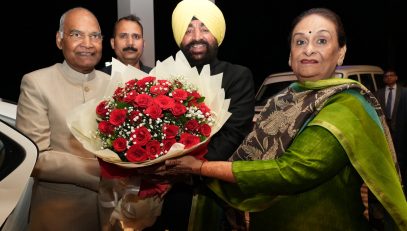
column 112, row 43
column 289, row 60
column 58, row 37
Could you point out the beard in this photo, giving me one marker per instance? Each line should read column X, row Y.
column 200, row 59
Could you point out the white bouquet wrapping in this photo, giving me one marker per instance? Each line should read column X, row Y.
column 144, row 119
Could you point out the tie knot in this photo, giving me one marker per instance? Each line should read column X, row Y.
column 390, row 88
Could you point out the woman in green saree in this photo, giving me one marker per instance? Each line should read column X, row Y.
column 313, row 146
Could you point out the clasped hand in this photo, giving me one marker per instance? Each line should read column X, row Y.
column 177, row 166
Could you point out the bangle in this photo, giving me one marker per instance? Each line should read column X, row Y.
column 200, row 168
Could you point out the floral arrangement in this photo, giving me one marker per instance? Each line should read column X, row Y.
column 145, row 117
column 205, row 106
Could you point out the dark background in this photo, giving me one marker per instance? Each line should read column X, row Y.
column 256, row 34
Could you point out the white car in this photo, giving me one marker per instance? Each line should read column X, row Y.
column 369, row 76
column 18, row 155
column 8, row 111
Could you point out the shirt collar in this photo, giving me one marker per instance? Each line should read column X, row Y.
column 74, row 76
column 394, row 87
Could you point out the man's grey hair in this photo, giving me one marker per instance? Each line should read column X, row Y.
column 62, row 20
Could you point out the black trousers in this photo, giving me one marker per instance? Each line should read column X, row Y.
column 176, row 209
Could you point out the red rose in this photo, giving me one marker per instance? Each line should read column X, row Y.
column 133, row 116
column 194, row 98
column 154, row 111
column 164, row 101
column 205, row 130
column 168, row 143
column 178, row 109
column 153, row 149
column 136, row 153
column 151, row 116
column 105, row 127
column 141, row 136
column 204, row 109
column 130, row 96
column 130, row 84
column 195, row 95
column 143, row 100
column 120, row 144
column 192, row 125
column 142, row 82
column 118, row 94
column 170, row 130
column 118, row 116
column 189, row 140
column 101, row 109
column 159, row 90
column 164, row 82
column 179, row 94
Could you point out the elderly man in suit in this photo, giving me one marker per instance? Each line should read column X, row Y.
column 393, row 99
column 389, row 98
column 66, row 175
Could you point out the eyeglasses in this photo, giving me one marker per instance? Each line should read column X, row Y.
column 80, row 36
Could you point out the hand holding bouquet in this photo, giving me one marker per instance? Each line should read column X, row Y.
column 143, row 119
column 173, row 95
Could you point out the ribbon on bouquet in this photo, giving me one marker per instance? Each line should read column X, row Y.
column 144, row 187
column 130, row 199
column 120, row 203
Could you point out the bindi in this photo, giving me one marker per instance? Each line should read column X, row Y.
column 309, row 32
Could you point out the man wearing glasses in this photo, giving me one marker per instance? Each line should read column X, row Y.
column 66, row 175
column 389, row 98
column 393, row 100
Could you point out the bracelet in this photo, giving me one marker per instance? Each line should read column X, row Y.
column 200, row 168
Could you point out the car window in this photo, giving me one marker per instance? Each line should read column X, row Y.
column 8, row 111
column 354, row 77
column 367, row 81
column 379, row 80
column 12, row 154
column 19, row 155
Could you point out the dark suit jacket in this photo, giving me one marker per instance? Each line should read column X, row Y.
column 401, row 135
column 238, row 83
column 380, row 95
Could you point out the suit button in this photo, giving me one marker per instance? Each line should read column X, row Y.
column 86, row 89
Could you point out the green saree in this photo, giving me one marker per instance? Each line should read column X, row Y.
column 310, row 151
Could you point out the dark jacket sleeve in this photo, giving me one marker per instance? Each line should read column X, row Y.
column 400, row 139
column 239, row 87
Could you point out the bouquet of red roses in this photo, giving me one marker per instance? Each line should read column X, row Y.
column 143, row 119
